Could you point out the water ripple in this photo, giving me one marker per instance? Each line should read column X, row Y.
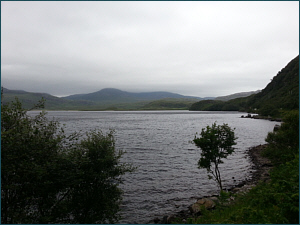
column 159, row 144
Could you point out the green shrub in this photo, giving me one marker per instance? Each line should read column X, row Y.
column 48, row 177
column 284, row 143
column 275, row 202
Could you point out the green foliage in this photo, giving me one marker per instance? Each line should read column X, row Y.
column 214, row 105
column 275, row 201
column 48, row 177
column 216, row 144
column 284, row 143
column 283, row 90
column 207, row 105
column 96, row 196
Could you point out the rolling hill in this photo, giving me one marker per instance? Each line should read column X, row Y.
column 106, row 99
column 29, row 99
column 282, row 93
column 112, row 95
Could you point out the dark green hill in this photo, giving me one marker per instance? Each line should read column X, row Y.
column 170, row 103
column 281, row 94
column 213, row 105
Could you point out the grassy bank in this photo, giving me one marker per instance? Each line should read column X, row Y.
column 272, row 201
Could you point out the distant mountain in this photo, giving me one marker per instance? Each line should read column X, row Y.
column 281, row 94
column 236, row 95
column 106, row 99
column 111, row 95
column 29, row 99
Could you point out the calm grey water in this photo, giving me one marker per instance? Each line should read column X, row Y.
column 158, row 143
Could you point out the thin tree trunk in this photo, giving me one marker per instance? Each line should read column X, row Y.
column 218, row 177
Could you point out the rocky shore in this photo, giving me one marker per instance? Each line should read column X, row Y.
column 261, row 168
column 262, row 117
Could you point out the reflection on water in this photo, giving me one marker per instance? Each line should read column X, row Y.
column 158, row 143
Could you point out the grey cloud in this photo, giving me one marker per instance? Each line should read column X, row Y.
column 193, row 48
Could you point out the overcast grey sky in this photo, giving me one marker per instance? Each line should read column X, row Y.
column 194, row 48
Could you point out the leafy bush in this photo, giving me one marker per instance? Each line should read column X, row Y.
column 48, row 177
column 216, row 144
column 284, row 143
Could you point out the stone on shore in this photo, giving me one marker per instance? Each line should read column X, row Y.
column 204, row 203
column 261, row 165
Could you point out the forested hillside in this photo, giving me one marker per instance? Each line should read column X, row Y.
column 169, row 104
column 236, row 95
column 281, row 94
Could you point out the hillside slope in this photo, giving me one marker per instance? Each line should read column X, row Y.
column 236, row 95
column 282, row 93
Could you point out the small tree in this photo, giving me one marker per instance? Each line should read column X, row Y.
column 216, row 144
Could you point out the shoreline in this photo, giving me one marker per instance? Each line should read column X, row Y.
column 249, row 116
column 261, row 166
